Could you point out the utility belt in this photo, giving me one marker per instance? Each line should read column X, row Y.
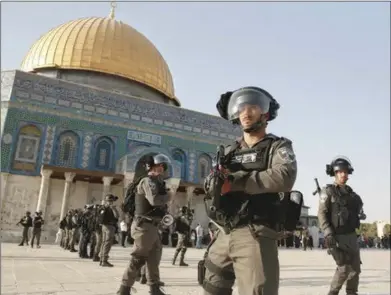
column 247, row 222
column 147, row 219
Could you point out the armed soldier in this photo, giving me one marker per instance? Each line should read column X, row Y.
column 182, row 227
column 340, row 212
column 27, row 222
column 86, row 229
column 108, row 219
column 245, row 197
column 151, row 199
column 37, row 229
column 96, row 243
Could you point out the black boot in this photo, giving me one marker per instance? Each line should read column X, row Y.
column 182, row 262
column 155, row 290
column 123, row 290
column 175, row 256
column 105, row 263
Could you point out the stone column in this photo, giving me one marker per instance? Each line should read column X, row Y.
column 189, row 195
column 106, row 186
column 69, row 176
column 3, row 192
column 44, row 190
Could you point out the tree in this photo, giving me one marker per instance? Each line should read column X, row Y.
column 368, row 229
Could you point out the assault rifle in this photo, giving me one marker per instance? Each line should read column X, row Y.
column 218, row 178
column 318, row 189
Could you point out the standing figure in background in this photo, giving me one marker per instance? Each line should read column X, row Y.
column 26, row 222
column 108, row 219
column 340, row 211
column 199, row 236
column 37, row 228
column 182, row 227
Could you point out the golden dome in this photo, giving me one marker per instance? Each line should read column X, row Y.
column 102, row 45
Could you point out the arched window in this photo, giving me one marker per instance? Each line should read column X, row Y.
column 180, row 156
column 204, row 166
column 68, row 145
column 104, row 151
column 27, row 147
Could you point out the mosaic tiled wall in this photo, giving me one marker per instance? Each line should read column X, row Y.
column 55, row 125
column 81, row 99
column 130, row 122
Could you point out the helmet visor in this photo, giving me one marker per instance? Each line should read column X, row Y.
column 163, row 160
column 244, row 98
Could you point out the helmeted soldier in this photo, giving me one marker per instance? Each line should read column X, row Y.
column 86, row 228
column 108, row 219
column 182, row 228
column 340, row 212
column 150, row 207
column 27, row 222
column 37, row 228
column 245, row 198
column 96, row 243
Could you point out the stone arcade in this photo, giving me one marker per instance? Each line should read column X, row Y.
column 92, row 98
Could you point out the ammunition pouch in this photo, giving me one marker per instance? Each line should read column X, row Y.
column 290, row 210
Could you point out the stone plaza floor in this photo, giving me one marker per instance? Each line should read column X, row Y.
column 51, row 270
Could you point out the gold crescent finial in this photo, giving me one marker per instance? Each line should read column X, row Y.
column 113, row 5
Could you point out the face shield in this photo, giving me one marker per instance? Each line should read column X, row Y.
column 246, row 97
column 163, row 160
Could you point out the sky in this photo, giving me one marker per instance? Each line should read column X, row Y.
column 327, row 64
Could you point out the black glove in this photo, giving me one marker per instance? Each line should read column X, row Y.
column 330, row 241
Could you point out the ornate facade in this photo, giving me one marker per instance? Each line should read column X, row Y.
column 74, row 128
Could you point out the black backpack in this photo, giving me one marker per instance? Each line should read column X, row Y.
column 129, row 204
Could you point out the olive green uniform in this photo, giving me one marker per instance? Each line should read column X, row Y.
column 181, row 247
column 147, row 247
column 339, row 207
column 108, row 232
column 249, row 254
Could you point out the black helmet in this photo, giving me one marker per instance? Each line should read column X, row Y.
column 337, row 164
column 159, row 159
column 230, row 103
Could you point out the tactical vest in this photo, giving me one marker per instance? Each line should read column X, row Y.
column 144, row 208
column 344, row 209
column 108, row 217
column 240, row 208
column 182, row 225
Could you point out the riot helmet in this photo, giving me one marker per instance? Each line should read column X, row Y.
column 159, row 159
column 339, row 163
column 249, row 97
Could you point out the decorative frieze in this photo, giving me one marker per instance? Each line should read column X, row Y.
column 82, row 97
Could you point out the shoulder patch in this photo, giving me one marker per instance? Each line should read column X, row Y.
column 323, row 195
column 286, row 154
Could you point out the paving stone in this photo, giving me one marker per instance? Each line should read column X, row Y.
column 51, row 271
